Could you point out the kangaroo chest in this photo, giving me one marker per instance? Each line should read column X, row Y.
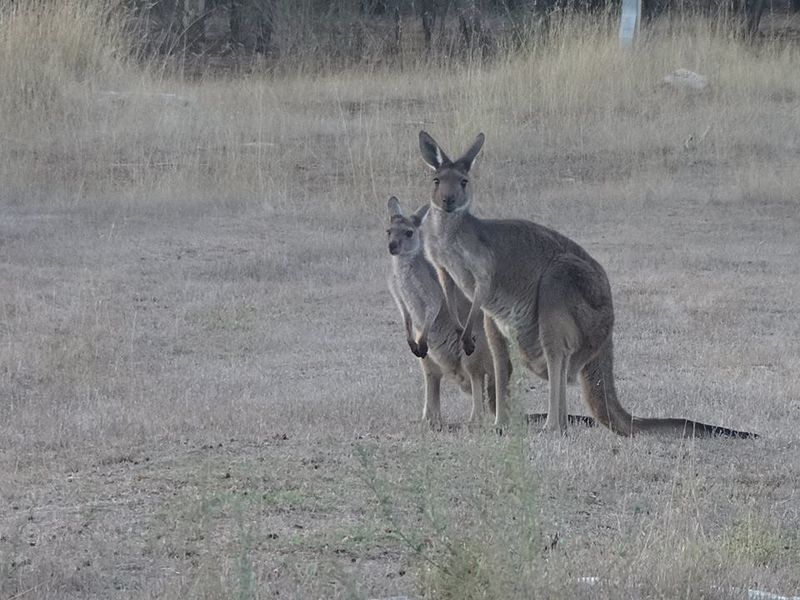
column 417, row 285
column 413, row 294
column 468, row 262
column 460, row 263
column 418, row 288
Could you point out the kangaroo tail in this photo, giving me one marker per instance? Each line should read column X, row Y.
column 688, row 428
column 597, row 380
column 541, row 418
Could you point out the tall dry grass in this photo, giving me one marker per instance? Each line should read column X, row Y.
column 347, row 132
column 50, row 51
column 53, row 56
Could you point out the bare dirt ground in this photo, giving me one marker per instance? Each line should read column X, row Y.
column 189, row 404
column 206, row 391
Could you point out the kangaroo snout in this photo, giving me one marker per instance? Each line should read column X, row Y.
column 393, row 248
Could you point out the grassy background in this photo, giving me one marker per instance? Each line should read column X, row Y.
column 206, row 389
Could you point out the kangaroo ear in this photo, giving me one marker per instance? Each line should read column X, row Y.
column 432, row 153
column 394, row 207
column 419, row 216
column 468, row 159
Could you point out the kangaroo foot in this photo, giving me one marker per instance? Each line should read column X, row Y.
column 434, row 424
column 552, row 425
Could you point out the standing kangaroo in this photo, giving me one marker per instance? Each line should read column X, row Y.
column 419, row 297
column 542, row 290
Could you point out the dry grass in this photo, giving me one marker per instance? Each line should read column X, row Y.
column 206, row 391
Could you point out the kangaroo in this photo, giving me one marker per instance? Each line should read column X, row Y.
column 420, row 298
column 541, row 290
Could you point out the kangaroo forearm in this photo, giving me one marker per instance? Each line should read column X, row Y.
column 467, row 340
column 479, row 298
column 449, row 289
column 412, row 343
column 408, row 325
column 474, row 311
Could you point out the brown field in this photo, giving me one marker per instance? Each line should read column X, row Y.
column 205, row 390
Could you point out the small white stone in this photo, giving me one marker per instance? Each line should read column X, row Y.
column 683, row 78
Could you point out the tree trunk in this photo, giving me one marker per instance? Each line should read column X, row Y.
column 753, row 10
column 266, row 25
column 398, row 32
column 194, row 23
column 235, row 22
column 428, row 15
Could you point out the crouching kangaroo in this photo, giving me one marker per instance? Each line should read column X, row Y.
column 542, row 290
column 431, row 331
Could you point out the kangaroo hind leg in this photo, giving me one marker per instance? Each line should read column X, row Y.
column 501, row 364
column 432, row 412
column 557, row 366
column 476, row 381
column 559, row 336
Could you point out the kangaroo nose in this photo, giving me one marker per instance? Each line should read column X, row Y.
column 392, row 247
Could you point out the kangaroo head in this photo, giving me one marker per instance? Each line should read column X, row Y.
column 451, row 189
column 404, row 233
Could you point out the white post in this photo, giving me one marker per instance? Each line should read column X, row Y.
column 629, row 21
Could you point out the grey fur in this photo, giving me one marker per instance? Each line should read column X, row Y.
column 432, row 332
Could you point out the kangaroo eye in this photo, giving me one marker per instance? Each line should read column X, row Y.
column 435, row 181
column 464, row 183
column 409, row 233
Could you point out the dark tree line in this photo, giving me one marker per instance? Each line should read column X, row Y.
column 250, row 26
column 177, row 25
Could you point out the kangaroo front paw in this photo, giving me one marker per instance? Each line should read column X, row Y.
column 468, row 344
column 420, row 350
